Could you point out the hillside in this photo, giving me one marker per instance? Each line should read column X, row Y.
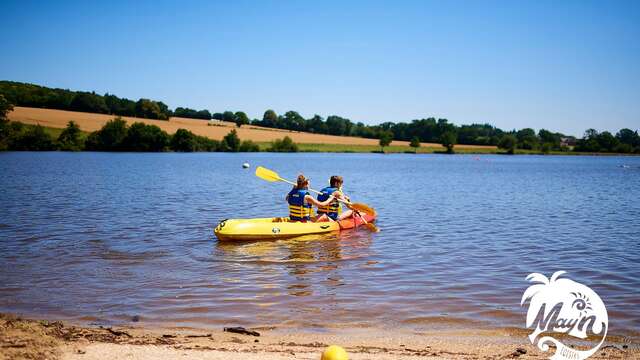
column 91, row 122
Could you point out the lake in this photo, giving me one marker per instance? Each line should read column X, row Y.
column 102, row 238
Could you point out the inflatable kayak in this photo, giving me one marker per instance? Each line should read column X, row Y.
column 279, row 228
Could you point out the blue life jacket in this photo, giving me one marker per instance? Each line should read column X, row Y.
column 332, row 210
column 298, row 209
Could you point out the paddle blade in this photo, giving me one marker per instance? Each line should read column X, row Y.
column 266, row 174
column 372, row 227
column 363, row 208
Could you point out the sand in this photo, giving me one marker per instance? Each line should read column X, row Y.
column 30, row 339
column 92, row 122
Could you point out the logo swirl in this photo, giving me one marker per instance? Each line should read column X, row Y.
column 563, row 306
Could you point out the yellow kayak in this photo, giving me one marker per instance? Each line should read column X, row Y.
column 280, row 228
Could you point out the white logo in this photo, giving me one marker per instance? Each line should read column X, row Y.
column 564, row 306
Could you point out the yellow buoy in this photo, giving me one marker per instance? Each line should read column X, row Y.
column 334, row 352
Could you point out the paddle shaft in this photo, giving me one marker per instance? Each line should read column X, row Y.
column 369, row 225
column 315, row 191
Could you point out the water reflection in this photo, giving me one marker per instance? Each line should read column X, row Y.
column 307, row 260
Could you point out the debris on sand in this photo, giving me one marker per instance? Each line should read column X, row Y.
column 241, row 330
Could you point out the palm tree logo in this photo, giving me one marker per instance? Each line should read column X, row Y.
column 561, row 305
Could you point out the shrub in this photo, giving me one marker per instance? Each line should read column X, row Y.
column 109, row 138
column 184, row 141
column 449, row 140
column 230, row 142
column 415, row 143
column 5, row 128
column 249, row 146
column 284, row 145
column 69, row 139
column 206, row 144
column 34, row 138
column 142, row 137
column 508, row 142
column 5, row 108
column 385, row 139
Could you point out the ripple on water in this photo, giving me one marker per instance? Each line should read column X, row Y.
column 113, row 236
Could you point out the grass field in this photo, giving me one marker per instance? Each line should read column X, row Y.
column 55, row 120
column 91, row 122
column 343, row 148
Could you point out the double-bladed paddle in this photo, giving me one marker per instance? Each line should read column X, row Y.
column 272, row 176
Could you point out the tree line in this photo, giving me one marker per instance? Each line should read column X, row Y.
column 420, row 130
column 29, row 95
column 117, row 135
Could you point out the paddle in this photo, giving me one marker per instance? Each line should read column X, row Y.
column 272, row 176
column 367, row 224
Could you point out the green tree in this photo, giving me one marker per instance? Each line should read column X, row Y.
column 415, row 143
column 509, row 143
column 284, row 145
column 589, row 142
column 34, row 138
column 191, row 113
column 89, row 102
column 607, row 141
column 337, row 125
column 449, row 140
column 241, row 118
column 149, row 109
column 317, row 125
column 5, row 128
column 184, row 141
column 109, row 138
column 270, row 118
column 229, row 116
column 5, row 108
column 69, row 139
column 386, row 137
column 293, row 121
column 527, row 139
column 146, row 138
column 231, row 142
column 628, row 136
column 550, row 139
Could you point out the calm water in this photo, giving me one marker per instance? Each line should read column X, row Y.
column 100, row 238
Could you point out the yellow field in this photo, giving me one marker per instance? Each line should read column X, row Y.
column 91, row 122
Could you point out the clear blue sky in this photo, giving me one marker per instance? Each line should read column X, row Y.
column 560, row 65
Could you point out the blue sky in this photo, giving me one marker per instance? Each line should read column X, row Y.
column 561, row 65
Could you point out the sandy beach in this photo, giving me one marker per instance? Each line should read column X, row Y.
column 92, row 122
column 31, row 339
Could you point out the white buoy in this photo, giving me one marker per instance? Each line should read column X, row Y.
column 245, row 165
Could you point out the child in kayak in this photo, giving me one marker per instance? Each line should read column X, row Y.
column 301, row 202
column 332, row 211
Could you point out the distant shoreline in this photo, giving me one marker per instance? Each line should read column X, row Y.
column 53, row 121
column 88, row 122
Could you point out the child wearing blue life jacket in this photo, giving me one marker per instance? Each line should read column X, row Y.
column 301, row 202
column 332, row 210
